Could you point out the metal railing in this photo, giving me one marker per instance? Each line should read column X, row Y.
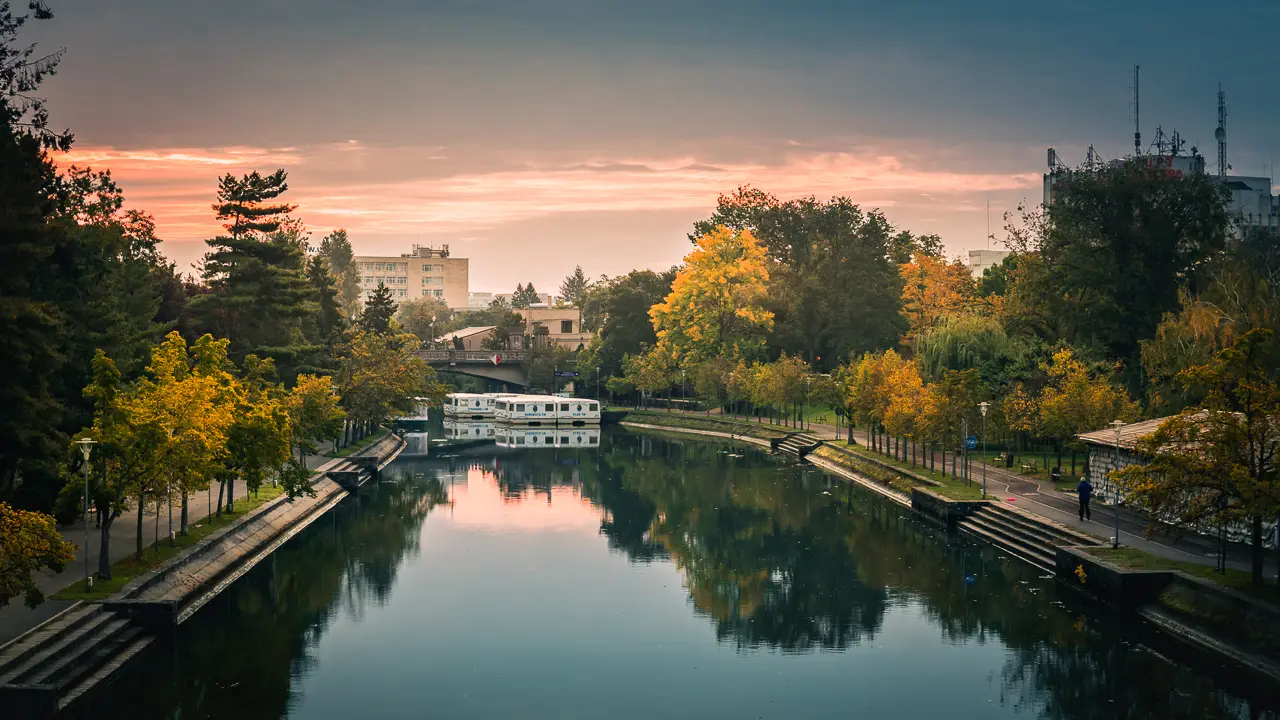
column 471, row 356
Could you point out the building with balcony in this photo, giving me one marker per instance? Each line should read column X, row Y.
column 424, row 272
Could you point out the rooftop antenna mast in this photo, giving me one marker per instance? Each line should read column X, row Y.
column 1221, row 133
column 1137, row 125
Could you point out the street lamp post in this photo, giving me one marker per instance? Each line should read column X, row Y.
column 1116, row 425
column 984, row 406
column 86, row 447
column 804, row 407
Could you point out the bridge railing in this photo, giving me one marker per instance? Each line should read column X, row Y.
column 486, row 356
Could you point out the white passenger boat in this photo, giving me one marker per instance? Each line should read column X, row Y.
column 469, row 405
column 526, row 410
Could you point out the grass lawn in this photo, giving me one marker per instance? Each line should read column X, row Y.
column 357, row 447
column 956, row 489
column 125, row 570
column 1133, row 559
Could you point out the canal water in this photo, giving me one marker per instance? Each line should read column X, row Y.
column 650, row 577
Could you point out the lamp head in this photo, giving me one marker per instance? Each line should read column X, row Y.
column 984, row 406
column 86, row 446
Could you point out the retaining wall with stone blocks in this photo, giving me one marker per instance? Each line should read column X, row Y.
column 943, row 509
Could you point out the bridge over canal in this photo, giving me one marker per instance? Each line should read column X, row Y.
column 506, row 366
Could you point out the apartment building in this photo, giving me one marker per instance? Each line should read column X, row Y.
column 424, row 272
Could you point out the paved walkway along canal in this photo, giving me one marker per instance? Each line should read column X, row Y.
column 657, row 575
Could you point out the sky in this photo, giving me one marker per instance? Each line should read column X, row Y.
column 531, row 136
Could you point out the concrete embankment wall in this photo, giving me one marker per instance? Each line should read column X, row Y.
column 173, row 592
column 1202, row 615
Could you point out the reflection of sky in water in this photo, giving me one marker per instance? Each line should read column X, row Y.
column 479, row 505
column 518, row 609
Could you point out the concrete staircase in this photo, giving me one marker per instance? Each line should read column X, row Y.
column 47, row 671
column 1028, row 538
column 797, row 444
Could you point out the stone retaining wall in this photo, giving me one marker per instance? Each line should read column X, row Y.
column 942, row 509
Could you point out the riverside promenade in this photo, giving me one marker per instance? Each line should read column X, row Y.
column 60, row 661
column 16, row 618
column 1037, row 496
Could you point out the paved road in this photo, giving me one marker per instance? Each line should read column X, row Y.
column 16, row 618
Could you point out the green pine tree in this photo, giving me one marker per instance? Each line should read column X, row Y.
column 259, row 295
column 336, row 248
column 379, row 309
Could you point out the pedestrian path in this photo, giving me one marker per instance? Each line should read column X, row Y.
column 16, row 618
column 1038, row 496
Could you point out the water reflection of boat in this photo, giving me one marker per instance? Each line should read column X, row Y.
column 546, row 437
column 416, row 444
column 418, row 418
column 467, row 430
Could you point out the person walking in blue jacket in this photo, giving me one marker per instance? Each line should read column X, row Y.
column 1085, row 491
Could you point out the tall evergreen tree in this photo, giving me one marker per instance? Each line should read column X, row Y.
column 259, row 295
column 336, row 248
column 524, row 296
column 379, row 309
column 574, row 288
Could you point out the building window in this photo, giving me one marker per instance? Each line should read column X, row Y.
column 437, row 293
column 566, row 326
column 403, row 292
column 368, row 267
column 425, row 293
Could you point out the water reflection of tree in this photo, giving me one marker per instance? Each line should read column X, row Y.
column 780, row 557
column 760, row 557
column 239, row 656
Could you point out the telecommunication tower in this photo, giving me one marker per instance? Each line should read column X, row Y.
column 1221, row 133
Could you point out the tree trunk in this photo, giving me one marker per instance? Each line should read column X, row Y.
column 183, row 525
column 222, row 486
column 231, row 494
column 142, row 503
column 104, row 547
column 1257, row 551
column 850, row 429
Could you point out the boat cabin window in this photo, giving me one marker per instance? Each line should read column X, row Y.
column 519, row 408
column 565, row 407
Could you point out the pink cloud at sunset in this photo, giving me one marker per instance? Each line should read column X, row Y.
column 378, row 192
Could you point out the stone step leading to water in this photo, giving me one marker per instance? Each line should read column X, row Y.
column 1011, row 532
column 1036, row 556
column 61, row 641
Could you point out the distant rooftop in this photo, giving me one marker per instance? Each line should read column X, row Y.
column 465, row 333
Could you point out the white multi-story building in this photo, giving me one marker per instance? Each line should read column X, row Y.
column 425, row 272
column 980, row 260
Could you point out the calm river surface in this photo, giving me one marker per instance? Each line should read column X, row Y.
column 651, row 577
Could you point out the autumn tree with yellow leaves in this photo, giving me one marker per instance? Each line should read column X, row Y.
column 29, row 542
column 932, row 289
column 1217, row 463
column 1078, row 400
column 715, row 307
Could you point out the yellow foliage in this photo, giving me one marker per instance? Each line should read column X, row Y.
column 931, row 290
column 714, row 308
